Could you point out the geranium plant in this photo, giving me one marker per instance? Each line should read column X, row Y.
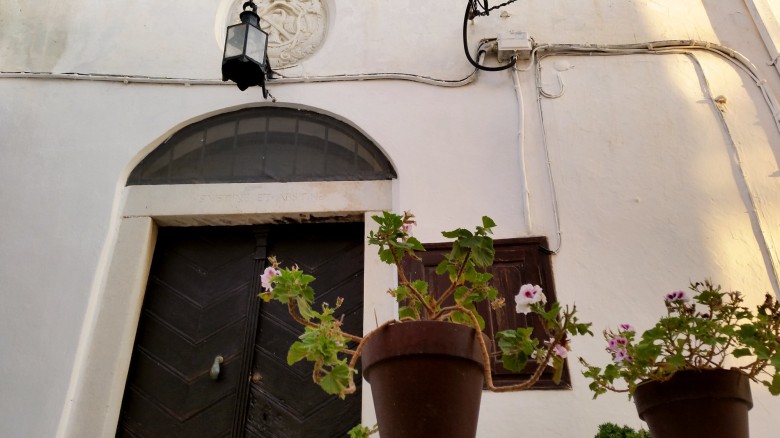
column 325, row 344
column 702, row 330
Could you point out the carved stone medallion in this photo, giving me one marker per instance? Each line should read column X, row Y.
column 295, row 28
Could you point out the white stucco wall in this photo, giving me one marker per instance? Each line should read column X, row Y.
column 651, row 189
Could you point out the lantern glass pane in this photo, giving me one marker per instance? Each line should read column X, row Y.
column 234, row 43
column 255, row 45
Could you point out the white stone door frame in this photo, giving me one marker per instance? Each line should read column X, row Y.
column 105, row 349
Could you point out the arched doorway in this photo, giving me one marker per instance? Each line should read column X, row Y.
column 201, row 308
column 203, row 175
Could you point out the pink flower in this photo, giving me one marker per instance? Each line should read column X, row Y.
column 621, row 356
column 618, row 343
column 677, row 295
column 266, row 280
column 560, row 351
column 626, row 328
column 528, row 294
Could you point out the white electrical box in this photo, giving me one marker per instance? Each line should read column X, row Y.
column 514, row 44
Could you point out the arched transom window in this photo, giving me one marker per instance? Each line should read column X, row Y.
column 264, row 144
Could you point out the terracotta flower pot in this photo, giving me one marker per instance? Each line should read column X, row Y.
column 426, row 379
column 696, row 404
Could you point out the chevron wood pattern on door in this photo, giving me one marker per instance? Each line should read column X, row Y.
column 201, row 301
column 285, row 403
column 194, row 309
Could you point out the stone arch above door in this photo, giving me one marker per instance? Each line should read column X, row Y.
column 101, row 364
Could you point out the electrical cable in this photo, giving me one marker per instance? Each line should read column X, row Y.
column 545, row 146
column 487, row 9
column 469, row 14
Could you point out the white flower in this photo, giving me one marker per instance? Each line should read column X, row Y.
column 560, row 351
column 529, row 294
column 267, row 278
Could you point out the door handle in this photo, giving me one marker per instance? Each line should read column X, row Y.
column 214, row 373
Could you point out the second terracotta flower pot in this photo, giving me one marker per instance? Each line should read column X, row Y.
column 696, row 404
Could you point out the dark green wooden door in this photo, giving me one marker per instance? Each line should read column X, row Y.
column 284, row 402
column 201, row 302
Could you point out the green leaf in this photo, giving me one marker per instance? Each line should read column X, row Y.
column 483, row 253
column 581, row 329
column 461, row 317
column 741, row 352
column 611, row 372
column 442, row 267
column 517, row 346
column 558, row 368
column 407, row 312
column 421, row 287
column 336, row 380
column 297, row 352
column 515, row 362
column 360, row 431
column 415, row 244
column 774, row 387
column 305, row 308
column 676, row 361
column 762, row 352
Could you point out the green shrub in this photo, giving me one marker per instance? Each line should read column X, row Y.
column 611, row 430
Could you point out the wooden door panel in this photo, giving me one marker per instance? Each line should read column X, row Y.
column 199, row 425
column 196, row 321
column 202, row 287
column 276, row 421
column 176, row 347
column 194, row 309
column 285, row 402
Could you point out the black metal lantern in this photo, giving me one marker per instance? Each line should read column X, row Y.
column 245, row 60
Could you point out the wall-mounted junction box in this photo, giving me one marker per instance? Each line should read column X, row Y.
column 514, row 44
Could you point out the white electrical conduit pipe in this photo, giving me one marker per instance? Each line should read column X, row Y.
column 661, row 47
column 768, row 27
column 768, row 243
column 526, row 194
column 281, row 79
column 677, row 48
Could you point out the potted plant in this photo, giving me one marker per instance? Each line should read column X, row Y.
column 417, row 363
column 678, row 371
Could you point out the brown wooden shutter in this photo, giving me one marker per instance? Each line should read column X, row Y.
column 517, row 262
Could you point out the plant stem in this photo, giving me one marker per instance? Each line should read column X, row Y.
column 541, row 365
column 351, row 388
column 405, row 282
column 454, row 284
column 291, row 308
